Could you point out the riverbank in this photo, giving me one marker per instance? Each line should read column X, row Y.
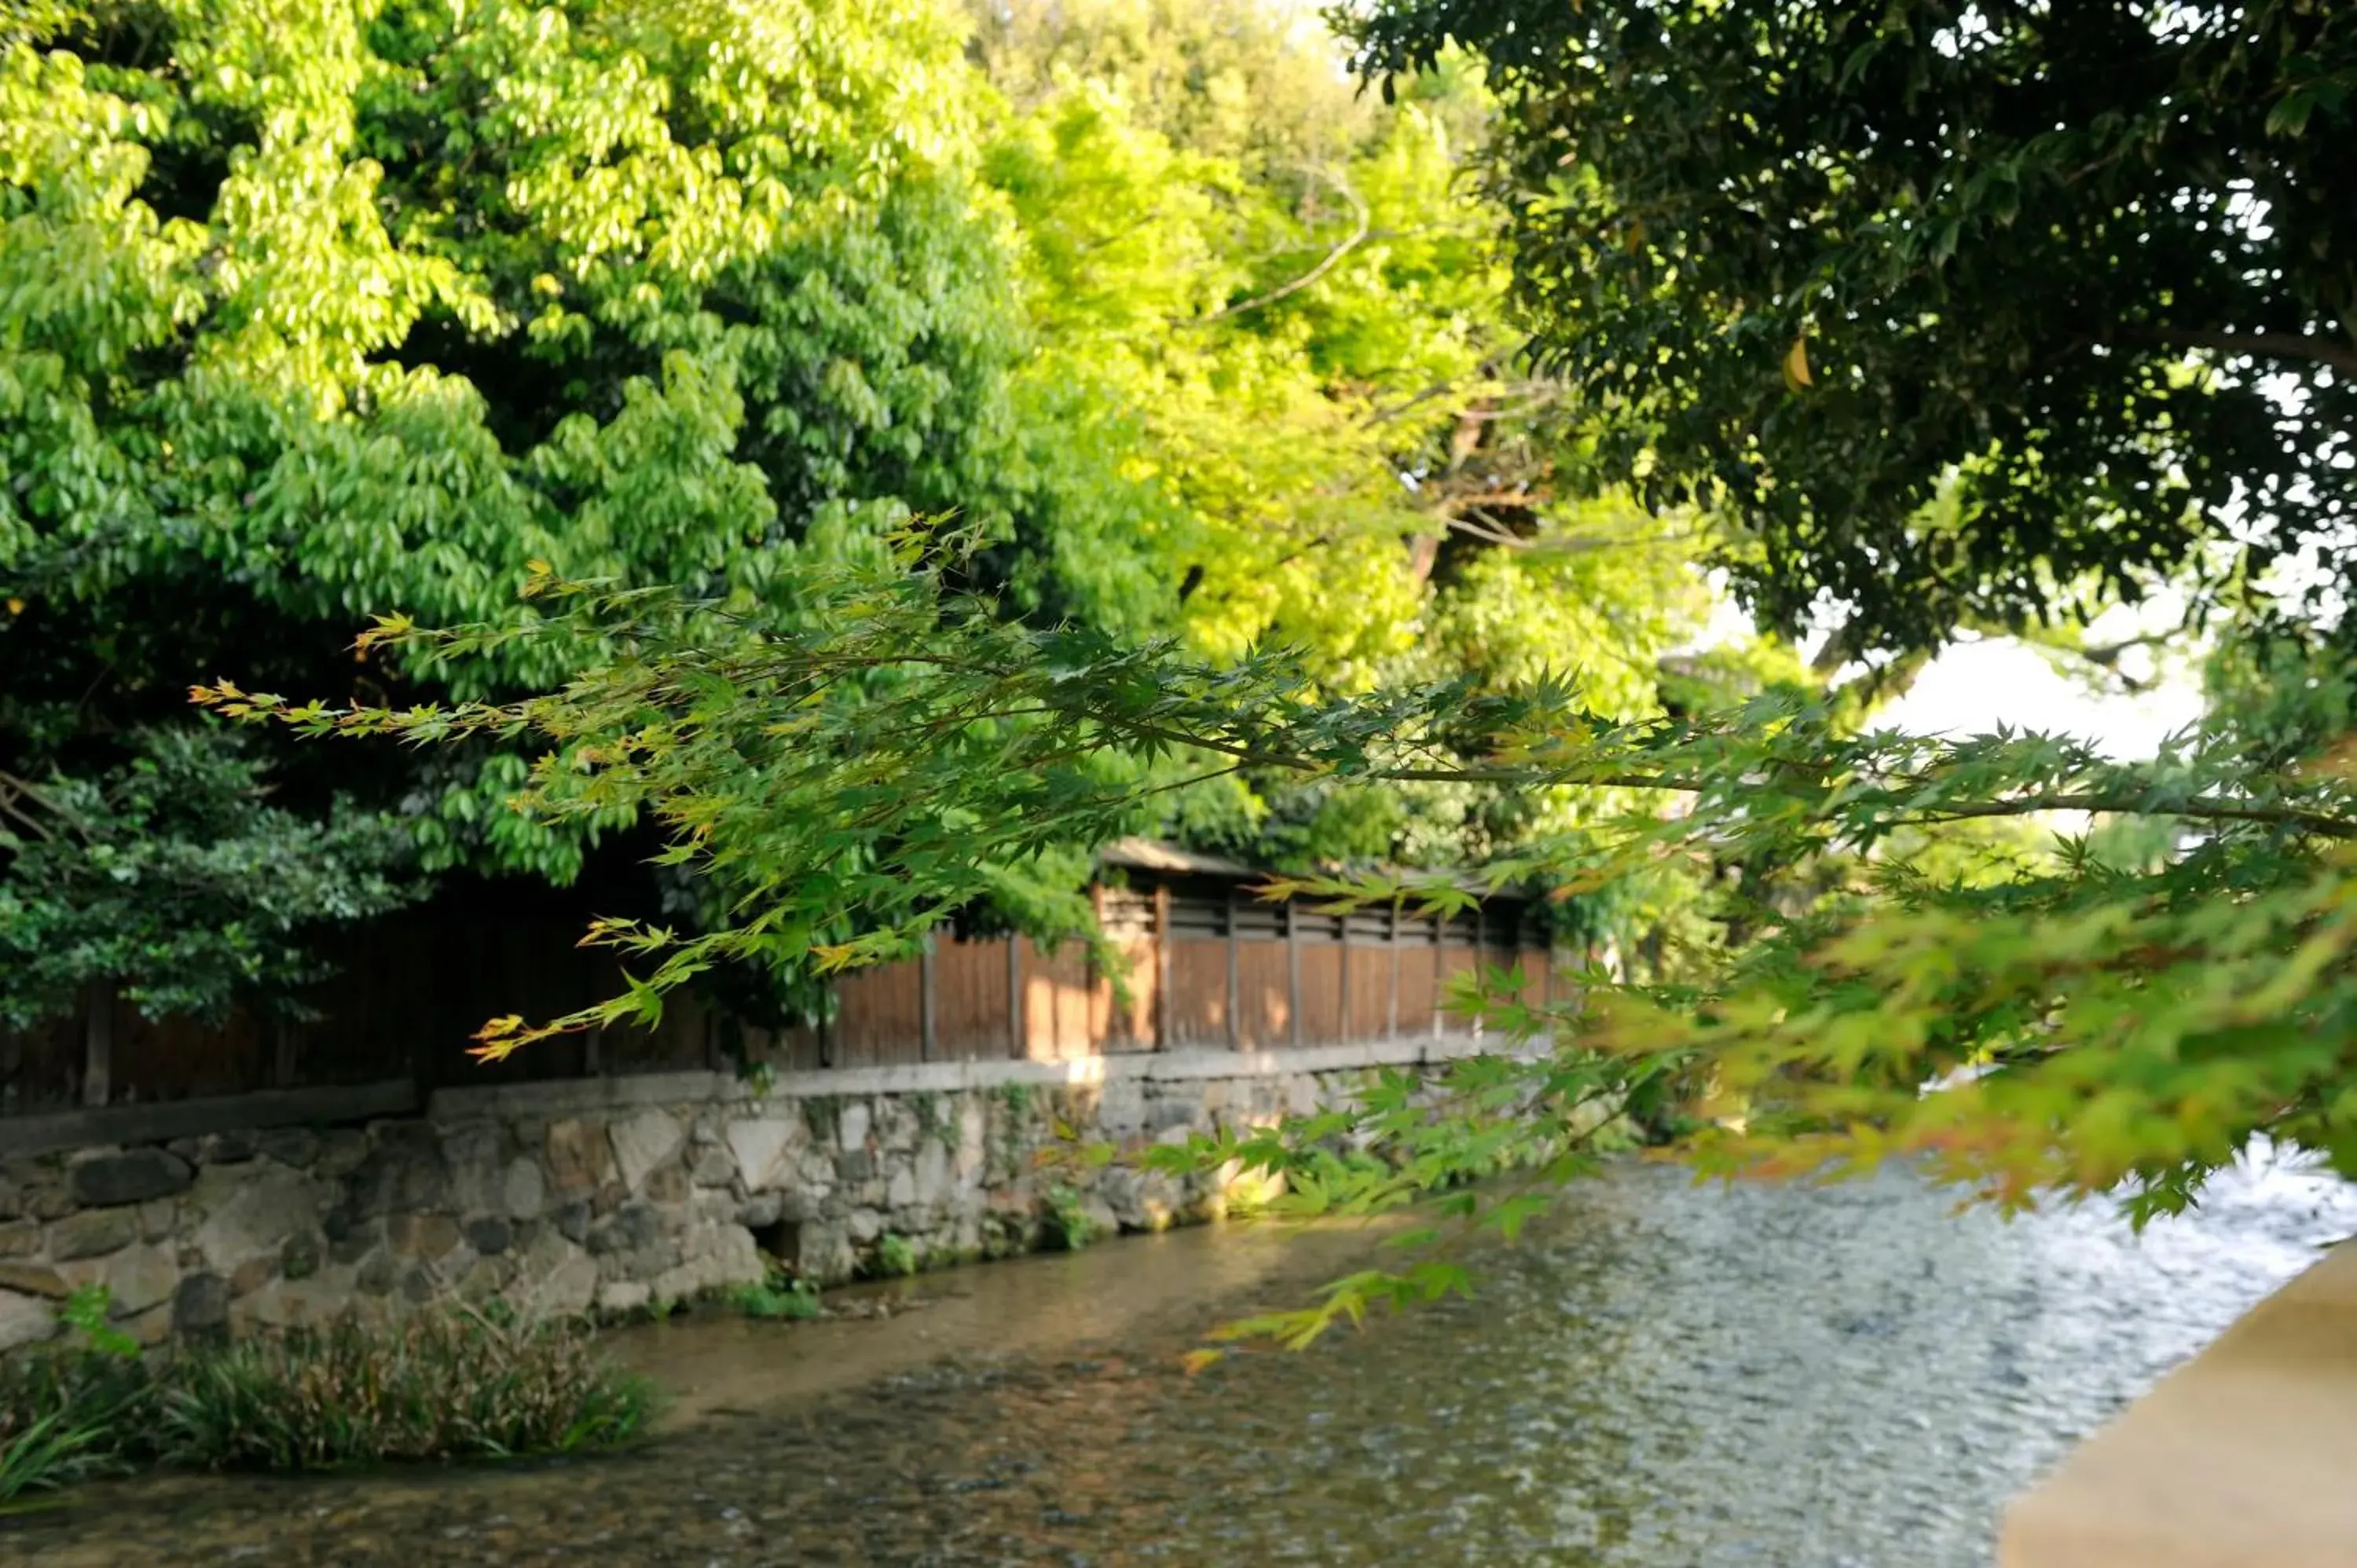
column 1658, row 1377
column 614, row 1195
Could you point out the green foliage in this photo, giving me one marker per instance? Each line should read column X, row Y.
column 793, row 1301
column 1069, row 1225
column 67, row 1415
column 1280, row 311
column 305, row 316
column 173, row 878
column 1967, row 314
column 88, row 1313
column 441, row 1384
column 896, row 1256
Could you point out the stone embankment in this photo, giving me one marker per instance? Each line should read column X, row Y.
column 612, row 1194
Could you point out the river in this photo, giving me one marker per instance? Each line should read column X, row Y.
column 1656, row 1376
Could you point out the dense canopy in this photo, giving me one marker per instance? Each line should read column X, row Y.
column 313, row 315
column 1969, row 312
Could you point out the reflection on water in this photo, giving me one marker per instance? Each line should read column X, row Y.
column 1659, row 1376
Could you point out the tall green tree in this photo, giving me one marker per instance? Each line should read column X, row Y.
column 2088, row 272
column 1714, row 235
column 313, row 312
column 1280, row 311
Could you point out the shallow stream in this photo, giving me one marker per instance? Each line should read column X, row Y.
column 1657, row 1376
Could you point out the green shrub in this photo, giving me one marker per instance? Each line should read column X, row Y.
column 67, row 1415
column 896, row 1256
column 775, row 1298
column 1069, row 1226
column 449, row 1383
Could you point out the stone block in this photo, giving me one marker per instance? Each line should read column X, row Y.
column 378, row 1274
column 287, row 1304
column 201, row 1305
column 669, row 1184
column 92, row 1233
column 474, row 1155
column 349, row 1239
column 403, row 1171
column 295, row 1146
column 250, row 1211
column 300, row 1259
column 900, row 1191
column 572, row 1223
column 225, row 1149
column 929, row 1174
column 554, row 1278
column 422, row 1236
column 488, row 1278
column 713, row 1166
column 577, row 1155
column 632, row 1228
column 158, row 1219
column 135, row 1278
column 623, row 1295
column 488, row 1237
column 134, row 1176
column 825, row 1254
column 851, row 1128
column 33, row 1279
column 340, row 1152
column 20, row 1238
column 762, row 1147
column 643, row 1142
column 252, row 1275
column 523, row 1193
column 25, row 1320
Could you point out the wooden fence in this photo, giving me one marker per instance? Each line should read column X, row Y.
column 1208, row 967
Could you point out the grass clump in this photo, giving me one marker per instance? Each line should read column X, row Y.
column 789, row 1300
column 1069, row 1226
column 449, row 1383
column 444, row 1384
column 896, row 1256
column 68, row 1417
column 68, row 1411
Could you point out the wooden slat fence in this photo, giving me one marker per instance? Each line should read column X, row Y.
column 1207, row 966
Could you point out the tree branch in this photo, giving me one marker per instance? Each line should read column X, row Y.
column 1331, row 260
column 2259, row 345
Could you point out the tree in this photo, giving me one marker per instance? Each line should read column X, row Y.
column 312, row 313
column 675, row 295
column 2083, row 271
column 2116, row 1014
column 1276, row 308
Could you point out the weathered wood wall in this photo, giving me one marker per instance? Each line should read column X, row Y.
column 1205, row 967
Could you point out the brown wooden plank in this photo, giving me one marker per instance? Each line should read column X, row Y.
column 1199, row 992
column 1056, row 1002
column 1264, row 1013
column 1455, row 961
column 880, row 1020
column 1321, row 1015
column 1418, row 997
column 1114, row 1028
column 1368, row 996
column 970, row 1001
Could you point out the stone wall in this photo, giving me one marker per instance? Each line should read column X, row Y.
column 608, row 1194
